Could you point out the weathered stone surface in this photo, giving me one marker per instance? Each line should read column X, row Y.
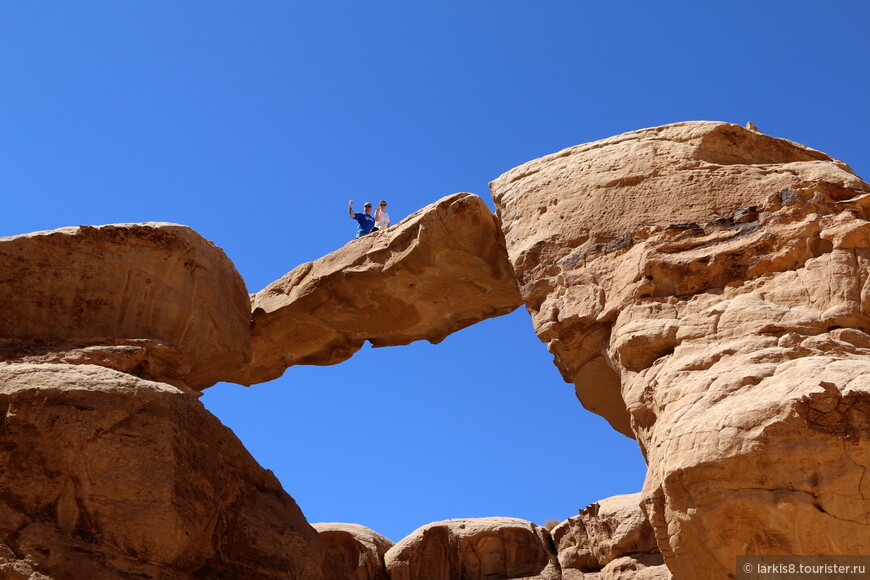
column 633, row 567
column 609, row 539
column 578, row 225
column 160, row 291
column 355, row 552
column 474, row 549
column 709, row 293
column 106, row 475
column 439, row 270
column 602, row 532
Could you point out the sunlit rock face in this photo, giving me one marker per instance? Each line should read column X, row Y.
column 475, row 549
column 155, row 299
column 354, row 552
column 610, row 539
column 439, row 270
column 707, row 290
column 107, row 475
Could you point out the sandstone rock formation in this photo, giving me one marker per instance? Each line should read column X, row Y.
column 707, row 290
column 106, row 475
column 355, row 552
column 611, row 539
column 154, row 299
column 475, row 549
column 704, row 286
column 439, row 270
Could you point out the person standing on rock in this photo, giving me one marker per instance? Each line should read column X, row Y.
column 365, row 220
column 382, row 218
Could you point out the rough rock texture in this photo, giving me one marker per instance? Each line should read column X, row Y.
column 106, row 475
column 475, row 549
column 609, row 539
column 162, row 298
column 355, row 552
column 439, row 270
column 707, row 289
column 578, row 226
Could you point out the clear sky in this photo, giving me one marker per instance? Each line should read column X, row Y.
column 256, row 122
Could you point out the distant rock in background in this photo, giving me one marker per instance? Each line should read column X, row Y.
column 475, row 549
column 610, row 539
column 354, row 551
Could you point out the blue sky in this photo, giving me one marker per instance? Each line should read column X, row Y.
column 255, row 123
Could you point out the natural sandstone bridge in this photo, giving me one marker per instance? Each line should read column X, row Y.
column 705, row 287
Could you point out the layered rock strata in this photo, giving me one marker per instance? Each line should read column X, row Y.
column 610, row 539
column 439, row 270
column 107, row 475
column 153, row 299
column 475, row 549
column 355, row 552
column 707, row 290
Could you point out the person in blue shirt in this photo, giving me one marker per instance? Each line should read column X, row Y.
column 365, row 220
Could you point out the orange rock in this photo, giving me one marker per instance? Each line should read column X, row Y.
column 578, row 226
column 707, row 290
column 605, row 531
column 355, row 552
column 163, row 298
column 106, row 475
column 475, row 549
column 440, row 270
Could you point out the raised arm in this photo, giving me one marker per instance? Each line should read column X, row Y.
column 350, row 208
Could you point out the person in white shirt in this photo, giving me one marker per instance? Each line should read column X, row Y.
column 382, row 218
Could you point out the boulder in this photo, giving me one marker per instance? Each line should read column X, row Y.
column 707, row 290
column 355, row 552
column 153, row 299
column 107, row 475
column 440, row 270
column 609, row 539
column 475, row 549
column 602, row 532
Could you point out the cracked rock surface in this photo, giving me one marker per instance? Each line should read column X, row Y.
column 707, row 290
column 610, row 539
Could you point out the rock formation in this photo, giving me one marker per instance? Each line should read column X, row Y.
column 610, row 539
column 475, row 549
column 106, row 475
column 705, row 287
column 154, row 299
column 707, row 290
column 355, row 552
column 112, row 468
column 439, row 270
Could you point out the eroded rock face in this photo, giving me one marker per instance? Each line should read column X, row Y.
column 355, row 552
column 106, row 475
column 474, row 549
column 168, row 304
column 707, row 290
column 609, row 539
column 439, row 270
column 576, row 225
